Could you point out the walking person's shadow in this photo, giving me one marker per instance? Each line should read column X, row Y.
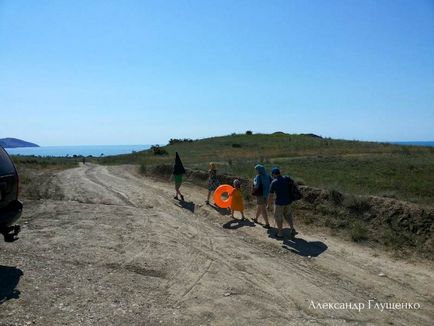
column 236, row 224
column 221, row 211
column 188, row 205
column 9, row 279
column 299, row 246
column 304, row 248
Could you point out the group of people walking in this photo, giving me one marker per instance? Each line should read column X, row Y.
column 266, row 189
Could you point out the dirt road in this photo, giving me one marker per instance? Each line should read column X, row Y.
column 105, row 246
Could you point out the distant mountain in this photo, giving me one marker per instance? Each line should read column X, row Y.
column 13, row 143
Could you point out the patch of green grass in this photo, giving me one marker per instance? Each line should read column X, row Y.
column 362, row 168
column 35, row 162
column 33, row 171
column 24, row 180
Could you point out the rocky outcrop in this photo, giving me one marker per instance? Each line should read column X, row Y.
column 14, row 142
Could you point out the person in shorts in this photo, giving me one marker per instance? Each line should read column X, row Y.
column 213, row 181
column 280, row 186
column 261, row 190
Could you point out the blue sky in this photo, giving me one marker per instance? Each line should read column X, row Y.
column 134, row 72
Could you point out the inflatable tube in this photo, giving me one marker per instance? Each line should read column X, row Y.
column 218, row 200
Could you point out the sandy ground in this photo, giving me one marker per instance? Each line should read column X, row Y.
column 108, row 247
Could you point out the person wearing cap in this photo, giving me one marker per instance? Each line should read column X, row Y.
column 280, row 186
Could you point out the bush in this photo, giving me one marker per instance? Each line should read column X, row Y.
column 236, row 145
column 142, row 169
column 394, row 240
column 336, row 222
column 157, row 150
column 249, row 132
column 298, row 181
column 336, row 197
column 358, row 232
column 357, row 205
column 173, row 141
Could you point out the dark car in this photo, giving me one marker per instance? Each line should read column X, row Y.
column 10, row 206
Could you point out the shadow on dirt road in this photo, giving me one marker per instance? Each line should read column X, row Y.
column 9, row 279
column 236, row 224
column 304, row 248
column 188, row 205
column 299, row 246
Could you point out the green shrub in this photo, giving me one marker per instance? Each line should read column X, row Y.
column 25, row 180
column 174, row 141
column 299, row 181
column 157, row 150
column 142, row 169
column 395, row 240
column 336, row 197
column 358, row 232
column 358, row 205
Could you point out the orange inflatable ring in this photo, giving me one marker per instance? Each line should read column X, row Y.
column 218, row 200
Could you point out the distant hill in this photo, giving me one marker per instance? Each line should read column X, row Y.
column 14, row 142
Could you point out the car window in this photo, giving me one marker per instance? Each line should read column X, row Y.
column 6, row 166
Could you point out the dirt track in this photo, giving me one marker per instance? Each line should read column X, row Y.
column 108, row 247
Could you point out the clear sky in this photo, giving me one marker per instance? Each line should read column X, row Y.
column 141, row 72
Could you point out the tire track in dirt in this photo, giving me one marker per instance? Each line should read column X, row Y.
column 208, row 244
column 196, row 261
column 338, row 285
column 89, row 173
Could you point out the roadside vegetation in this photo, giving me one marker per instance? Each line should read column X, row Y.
column 33, row 171
column 362, row 168
column 35, row 162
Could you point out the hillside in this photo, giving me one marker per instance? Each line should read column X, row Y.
column 14, row 142
column 365, row 168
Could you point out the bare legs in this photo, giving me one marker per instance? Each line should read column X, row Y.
column 283, row 213
column 261, row 209
column 178, row 192
column 242, row 215
column 279, row 223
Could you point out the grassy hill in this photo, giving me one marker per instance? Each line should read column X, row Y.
column 366, row 168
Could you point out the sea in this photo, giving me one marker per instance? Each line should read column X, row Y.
column 108, row 150
column 86, row 150
column 415, row 143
